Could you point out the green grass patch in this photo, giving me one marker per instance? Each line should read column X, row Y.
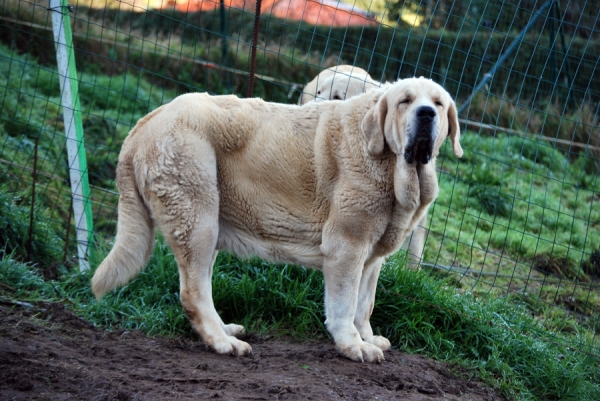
column 29, row 109
column 515, row 194
column 522, row 218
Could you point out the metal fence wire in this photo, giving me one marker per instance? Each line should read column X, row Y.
column 518, row 215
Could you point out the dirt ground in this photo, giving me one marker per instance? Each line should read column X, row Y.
column 48, row 353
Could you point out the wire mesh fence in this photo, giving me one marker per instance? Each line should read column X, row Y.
column 517, row 217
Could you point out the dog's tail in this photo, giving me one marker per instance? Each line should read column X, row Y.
column 135, row 235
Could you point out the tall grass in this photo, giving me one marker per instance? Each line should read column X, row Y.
column 25, row 236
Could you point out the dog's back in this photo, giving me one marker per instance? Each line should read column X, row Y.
column 268, row 165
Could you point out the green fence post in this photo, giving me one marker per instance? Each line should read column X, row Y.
column 78, row 171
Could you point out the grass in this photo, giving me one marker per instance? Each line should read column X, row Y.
column 518, row 195
column 44, row 245
column 418, row 312
column 523, row 216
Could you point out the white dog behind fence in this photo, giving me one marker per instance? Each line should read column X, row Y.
column 336, row 186
column 337, row 83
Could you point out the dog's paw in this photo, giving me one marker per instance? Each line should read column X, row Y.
column 363, row 352
column 233, row 329
column 381, row 342
column 232, row 346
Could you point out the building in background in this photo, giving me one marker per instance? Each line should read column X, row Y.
column 316, row 12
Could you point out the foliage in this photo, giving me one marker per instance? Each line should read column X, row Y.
column 45, row 247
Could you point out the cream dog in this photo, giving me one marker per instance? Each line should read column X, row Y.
column 335, row 186
column 337, row 83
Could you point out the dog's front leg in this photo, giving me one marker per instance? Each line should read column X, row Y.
column 366, row 301
column 416, row 241
column 343, row 264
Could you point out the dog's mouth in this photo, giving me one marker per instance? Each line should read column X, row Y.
column 419, row 147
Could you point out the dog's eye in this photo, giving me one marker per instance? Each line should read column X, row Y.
column 405, row 101
column 438, row 103
column 318, row 92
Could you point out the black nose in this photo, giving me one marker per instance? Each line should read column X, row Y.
column 425, row 113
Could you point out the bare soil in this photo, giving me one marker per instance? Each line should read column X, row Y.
column 48, row 353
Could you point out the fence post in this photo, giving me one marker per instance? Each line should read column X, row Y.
column 78, row 171
column 561, row 30
column 225, row 50
column 253, row 53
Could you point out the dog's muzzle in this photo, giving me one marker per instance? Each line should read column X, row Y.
column 420, row 145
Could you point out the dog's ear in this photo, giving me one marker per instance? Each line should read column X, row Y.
column 373, row 125
column 454, row 130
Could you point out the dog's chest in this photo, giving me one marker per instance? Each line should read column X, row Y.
column 400, row 225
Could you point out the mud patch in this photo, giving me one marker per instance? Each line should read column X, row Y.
column 48, row 353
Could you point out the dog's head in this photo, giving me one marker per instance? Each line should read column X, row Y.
column 343, row 86
column 413, row 117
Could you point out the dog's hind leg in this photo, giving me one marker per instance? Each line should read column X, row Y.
column 184, row 198
column 231, row 329
column 366, row 301
column 195, row 268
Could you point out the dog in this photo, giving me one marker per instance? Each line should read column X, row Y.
column 337, row 83
column 335, row 186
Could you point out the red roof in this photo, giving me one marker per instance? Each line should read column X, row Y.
column 316, row 12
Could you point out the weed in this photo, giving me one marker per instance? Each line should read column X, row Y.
column 45, row 247
column 561, row 267
column 591, row 266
